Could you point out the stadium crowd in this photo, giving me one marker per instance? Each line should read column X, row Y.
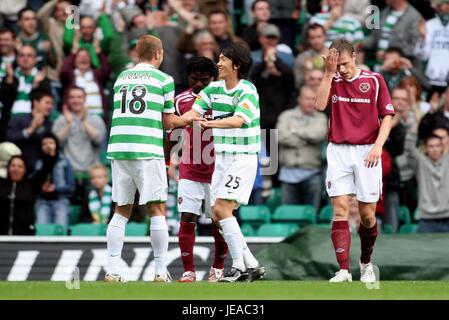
column 56, row 96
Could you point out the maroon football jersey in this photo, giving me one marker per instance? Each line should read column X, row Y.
column 197, row 161
column 356, row 107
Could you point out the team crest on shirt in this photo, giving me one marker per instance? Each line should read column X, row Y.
column 364, row 87
column 389, row 107
column 334, row 98
column 179, row 200
column 235, row 101
column 245, row 106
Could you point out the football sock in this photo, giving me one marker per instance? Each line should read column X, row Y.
column 341, row 239
column 250, row 260
column 186, row 239
column 115, row 236
column 159, row 242
column 232, row 235
column 367, row 239
column 221, row 248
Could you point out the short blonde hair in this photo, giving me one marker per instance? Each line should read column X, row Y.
column 98, row 166
column 146, row 47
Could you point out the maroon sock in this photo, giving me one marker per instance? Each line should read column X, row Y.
column 221, row 248
column 186, row 238
column 367, row 239
column 341, row 238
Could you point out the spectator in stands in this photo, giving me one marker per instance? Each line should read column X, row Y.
column 77, row 70
column 18, row 195
column 52, row 17
column 260, row 12
column 338, row 24
column 53, row 202
column 274, row 80
column 8, row 12
column 27, row 130
column 419, row 106
column 435, row 48
column 302, row 130
column 432, row 169
column 205, row 45
column 443, row 134
column 396, row 66
column 313, row 78
column 404, row 193
column 220, row 27
column 399, row 28
column 86, row 37
column 282, row 15
column 357, row 9
column 269, row 39
column 438, row 116
column 7, row 50
column 28, row 78
column 8, row 94
column 80, row 135
column 97, row 206
column 311, row 58
column 30, row 35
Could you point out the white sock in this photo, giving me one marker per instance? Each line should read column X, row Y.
column 159, row 242
column 115, row 236
column 231, row 233
column 250, row 260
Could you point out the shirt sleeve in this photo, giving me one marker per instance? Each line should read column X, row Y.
column 384, row 104
column 248, row 107
column 202, row 103
column 168, row 87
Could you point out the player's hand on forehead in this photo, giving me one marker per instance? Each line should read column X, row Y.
column 331, row 61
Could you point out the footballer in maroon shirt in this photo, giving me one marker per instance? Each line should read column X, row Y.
column 195, row 174
column 360, row 122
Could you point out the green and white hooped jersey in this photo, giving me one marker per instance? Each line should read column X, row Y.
column 141, row 95
column 243, row 101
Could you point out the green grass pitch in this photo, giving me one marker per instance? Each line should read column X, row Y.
column 259, row 290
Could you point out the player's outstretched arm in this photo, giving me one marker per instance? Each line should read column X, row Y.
column 172, row 121
column 322, row 96
column 227, row 123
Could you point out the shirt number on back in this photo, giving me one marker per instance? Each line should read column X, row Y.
column 138, row 93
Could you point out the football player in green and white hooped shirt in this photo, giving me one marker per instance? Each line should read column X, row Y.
column 236, row 129
column 143, row 107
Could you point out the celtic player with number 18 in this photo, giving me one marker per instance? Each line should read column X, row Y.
column 234, row 102
column 143, row 106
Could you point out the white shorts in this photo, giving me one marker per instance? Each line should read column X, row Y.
column 148, row 176
column 233, row 177
column 191, row 195
column 347, row 174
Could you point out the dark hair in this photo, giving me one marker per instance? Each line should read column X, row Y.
column 38, row 94
column 201, row 64
column 430, row 137
column 22, row 11
column 314, row 26
column 17, row 156
column 240, row 56
column 8, row 30
column 342, row 45
column 51, row 135
column 219, row 11
column 253, row 5
column 395, row 50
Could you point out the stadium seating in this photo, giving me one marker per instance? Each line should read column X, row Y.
column 277, row 229
column 255, row 215
column 134, row 229
column 404, row 215
column 74, row 214
column 88, row 229
column 247, row 230
column 300, row 214
column 50, row 230
column 326, row 214
column 274, row 200
column 408, row 228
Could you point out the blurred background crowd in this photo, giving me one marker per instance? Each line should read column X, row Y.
column 56, row 97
